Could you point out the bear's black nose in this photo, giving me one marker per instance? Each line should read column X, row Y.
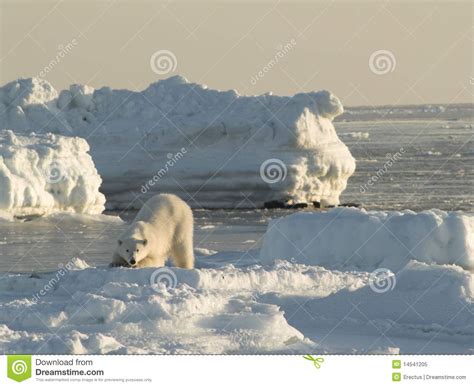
column 132, row 262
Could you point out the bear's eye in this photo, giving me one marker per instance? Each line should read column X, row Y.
column 128, row 251
column 138, row 250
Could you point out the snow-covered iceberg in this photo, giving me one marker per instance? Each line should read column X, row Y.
column 345, row 238
column 214, row 148
column 46, row 173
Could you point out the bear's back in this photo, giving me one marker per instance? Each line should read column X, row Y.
column 163, row 208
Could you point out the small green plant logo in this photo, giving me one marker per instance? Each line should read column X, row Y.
column 396, row 364
column 19, row 367
column 396, row 376
column 316, row 360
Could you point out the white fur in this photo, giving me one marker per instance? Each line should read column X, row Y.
column 162, row 228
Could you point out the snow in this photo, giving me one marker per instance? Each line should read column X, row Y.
column 449, row 291
column 431, row 153
column 176, row 136
column 356, row 135
column 365, row 240
column 6, row 216
column 253, row 309
column 105, row 310
column 30, row 105
column 46, row 173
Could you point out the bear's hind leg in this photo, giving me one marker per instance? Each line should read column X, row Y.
column 183, row 256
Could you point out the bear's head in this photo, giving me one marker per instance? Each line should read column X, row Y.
column 132, row 250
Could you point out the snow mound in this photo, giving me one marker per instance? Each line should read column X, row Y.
column 47, row 173
column 427, row 297
column 366, row 240
column 125, row 311
column 176, row 136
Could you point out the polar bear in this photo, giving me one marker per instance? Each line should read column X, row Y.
column 162, row 228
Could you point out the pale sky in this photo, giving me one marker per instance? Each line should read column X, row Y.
column 225, row 44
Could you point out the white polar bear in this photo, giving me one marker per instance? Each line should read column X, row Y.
column 163, row 227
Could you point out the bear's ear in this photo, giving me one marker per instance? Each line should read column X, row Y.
column 145, row 241
column 119, row 242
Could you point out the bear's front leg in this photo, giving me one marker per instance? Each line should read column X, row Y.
column 118, row 261
column 146, row 262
